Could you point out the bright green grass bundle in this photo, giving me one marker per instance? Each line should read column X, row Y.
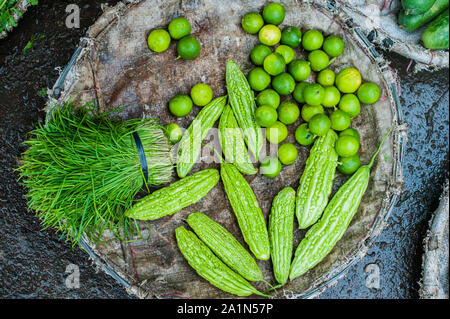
column 82, row 171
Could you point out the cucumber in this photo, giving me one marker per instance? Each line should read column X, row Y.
column 435, row 36
column 416, row 6
column 413, row 22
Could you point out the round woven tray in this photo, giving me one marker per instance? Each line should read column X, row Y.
column 114, row 66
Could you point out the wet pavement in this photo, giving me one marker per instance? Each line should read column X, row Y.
column 36, row 263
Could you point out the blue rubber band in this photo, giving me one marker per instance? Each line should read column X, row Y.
column 142, row 157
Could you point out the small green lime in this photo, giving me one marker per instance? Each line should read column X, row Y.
column 350, row 104
column 188, row 48
column 319, row 60
column 312, row 40
column 349, row 165
column 332, row 96
column 287, row 153
column 270, row 167
column 274, row 64
column 299, row 69
column 276, row 133
column 326, row 77
column 259, row 53
column 180, row 105
column 173, row 132
column 319, row 124
column 283, row 83
column 333, row 46
column 368, row 93
column 314, row 94
column 274, row 13
column 268, row 97
column 339, row 120
column 291, row 36
column 286, row 52
column 308, row 111
column 298, row 92
column 266, row 115
column 303, row 136
column 158, row 40
column 346, row 146
column 269, row 35
column 252, row 22
column 288, row 112
column 258, row 79
column 352, row 132
column 348, row 80
column 201, row 94
column 179, row 27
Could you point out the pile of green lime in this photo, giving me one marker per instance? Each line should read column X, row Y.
column 188, row 47
column 328, row 104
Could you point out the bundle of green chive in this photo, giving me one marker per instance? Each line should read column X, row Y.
column 83, row 171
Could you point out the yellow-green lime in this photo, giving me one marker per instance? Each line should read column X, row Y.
column 252, row 22
column 179, row 27
column 268, row 97
column 201, row 94
column 269, row 35
column 308, row 111
column 299, row 69
column 274, row 64
column 276, row 133
column 312, row 40
column 286, row 52
column 326, row 77
column 158, row 40
column 288, row 112
column 333, row 46
column 258, row 79
column 303, row 136
column 368, row 93
column 265, row 115
column 259, row 53
column 350, row 104
column 332, row 96
column 274, row 13
column 287, row 153
column 348, row 80
column 319, row 60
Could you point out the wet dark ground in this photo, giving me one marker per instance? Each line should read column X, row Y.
column 33, row 262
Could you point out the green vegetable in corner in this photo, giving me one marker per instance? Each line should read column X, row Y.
column 173, row 198
column 225, row 246
column 416, row 6
column 413, row 22
column 247, row 211
column 83, row 171
column 7, row 11
column 211, row 268
column 323, row 236
column 191, row 143
column 435, row 36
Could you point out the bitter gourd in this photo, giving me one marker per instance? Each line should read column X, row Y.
column 210, row 267
column 246, row 208
column 317, row 180
column 176, row 196
column 225, row 246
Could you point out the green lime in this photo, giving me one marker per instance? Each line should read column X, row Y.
column 286, row 52
column 274, row 64
column 319, row 60
column 349, row 165
column 352, row 132
column 348, row 80
column 299, row 69
column 180, row 105
column 270, row 167
column 179, row 27
column 368, row 93
column 303, row 136
column 339, row 120
column 158, row 40
column 298, row 92
column 346, row 146
column 269, row 35
column 314, row 94
column 312, row 40
column 258, row 79
column 326, row 77
column 259, row 53
column 350, row 104
column 288, row 112
column 333, row 46
column 273, row 13
column 283, row 83
column 319, row 124
column 201, row 94
column 308, row 111
column 173, row 132
column 188, row 48
column 276, row 133
column 268, row 97
column 331, row 97
column 252, row 22
column 287, row 153
column 266, row 115
column 291, row 36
